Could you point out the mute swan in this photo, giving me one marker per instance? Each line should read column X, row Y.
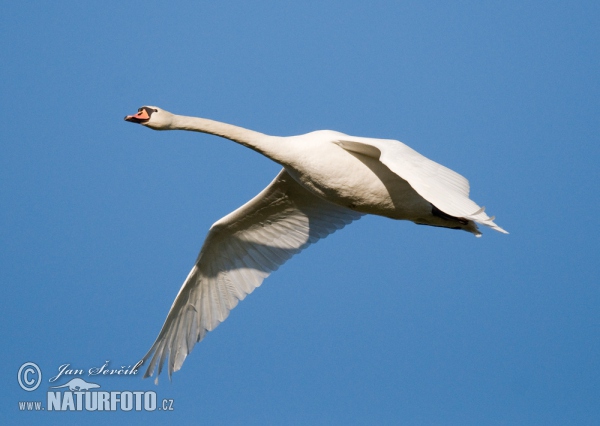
column 328, row 180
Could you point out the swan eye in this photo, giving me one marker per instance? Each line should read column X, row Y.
column 140, row 109
column 155, row 110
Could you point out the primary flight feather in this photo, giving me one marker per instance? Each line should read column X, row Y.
column 328, row 180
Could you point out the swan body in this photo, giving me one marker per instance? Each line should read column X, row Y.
column 328, row 180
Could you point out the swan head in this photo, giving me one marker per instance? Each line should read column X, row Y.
column 153, row 117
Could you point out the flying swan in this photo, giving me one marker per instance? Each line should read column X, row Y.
column 328, row 180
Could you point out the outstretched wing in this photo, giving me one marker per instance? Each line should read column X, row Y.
column 240, row 251
column 442, row 187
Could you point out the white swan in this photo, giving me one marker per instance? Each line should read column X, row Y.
column 328, row 180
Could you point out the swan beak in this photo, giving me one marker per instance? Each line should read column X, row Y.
column 142, row 115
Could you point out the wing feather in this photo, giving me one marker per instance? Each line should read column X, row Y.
column 442, row 187
column 240, row 251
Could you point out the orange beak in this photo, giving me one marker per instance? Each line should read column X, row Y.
column 142, row 115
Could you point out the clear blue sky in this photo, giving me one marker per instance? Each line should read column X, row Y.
column 384, row 322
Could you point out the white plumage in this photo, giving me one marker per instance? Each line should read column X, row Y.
column 329, row 179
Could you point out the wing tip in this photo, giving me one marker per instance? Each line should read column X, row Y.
column 480, row 217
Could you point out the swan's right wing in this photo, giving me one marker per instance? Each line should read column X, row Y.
column 240, row 251
column 442, row 187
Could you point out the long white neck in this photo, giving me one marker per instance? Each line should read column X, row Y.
column 270, row 146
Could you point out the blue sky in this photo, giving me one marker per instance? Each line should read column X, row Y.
column 384, row 322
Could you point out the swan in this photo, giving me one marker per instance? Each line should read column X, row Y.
column 328, row 180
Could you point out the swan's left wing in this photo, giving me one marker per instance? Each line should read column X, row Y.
column 240, row 251
column 442, row 187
